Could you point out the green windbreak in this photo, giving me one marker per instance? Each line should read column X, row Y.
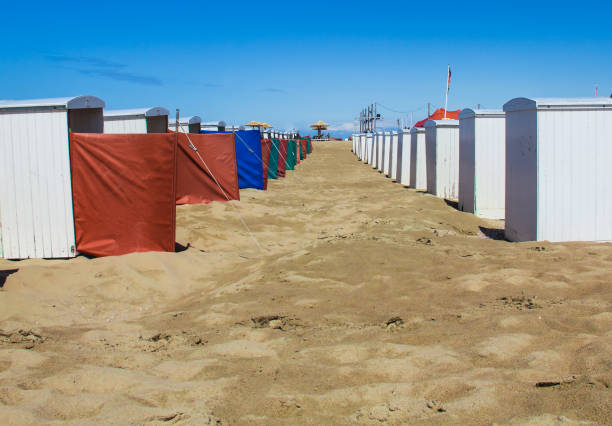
column 273, row 167
column 309, row 146
column 301, row 153
column 292, row 155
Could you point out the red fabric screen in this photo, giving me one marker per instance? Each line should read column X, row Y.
column 194, row 182
column 266, row 146
column 297, row 151
column 123, row 192
column 283, row 146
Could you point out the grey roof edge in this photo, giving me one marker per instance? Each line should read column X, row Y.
column 469, row 112
column 194, row 119
column 136, row 112
column 441, row 123
column 72, row 102
column 525, row 104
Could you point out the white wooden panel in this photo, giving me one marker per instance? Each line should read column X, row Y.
column 467, row 160
column 574, row 150
column 380, row 141
column 448, row 162
column 418, row 160
column 386, row 165
column 374, row 151
column 430, row 159
column 35, row 188
column 359, row 147
column 364, row 148
column 403, row 158
column 490, row 167
column 398, row 158
column 394, row 154
column 442, row 151
column 521, row 176
column 128, row 125
column 379, row 150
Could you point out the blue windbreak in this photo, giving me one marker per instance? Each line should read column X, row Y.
column 248, row 158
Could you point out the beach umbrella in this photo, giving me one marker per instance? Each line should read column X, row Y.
column 254, row 124
column 318, row 126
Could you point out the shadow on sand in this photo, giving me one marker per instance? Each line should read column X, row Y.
column 453, row 204
column 4, row 274
column 493, row 233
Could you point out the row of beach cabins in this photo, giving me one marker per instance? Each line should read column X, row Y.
column 78, row 179
column 541, row 165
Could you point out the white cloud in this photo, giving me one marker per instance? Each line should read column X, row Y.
column 348, row 126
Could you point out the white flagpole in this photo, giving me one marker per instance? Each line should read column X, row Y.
column 447, row 83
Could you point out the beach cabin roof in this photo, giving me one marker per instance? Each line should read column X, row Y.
column 525, row 104
column 215, row 123
column 73, row 102
column 137, row 112
column 186, row 120
column 468, row 113
column 442, row 123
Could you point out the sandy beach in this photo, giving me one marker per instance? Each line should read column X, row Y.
column 369, row 302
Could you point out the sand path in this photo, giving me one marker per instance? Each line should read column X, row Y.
column 370, row 303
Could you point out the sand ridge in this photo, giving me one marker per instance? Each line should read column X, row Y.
column 370, row 303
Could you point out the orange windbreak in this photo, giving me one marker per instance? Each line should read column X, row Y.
column 123, row 192
column 194, row 179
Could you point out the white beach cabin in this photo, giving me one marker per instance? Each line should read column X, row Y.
column 386, row 162
column 418, row 159
column 36, row 216
column 370, row 147
column 186, row 124
column 376, row 143
column 361, row 140
column 482, row 162
column 364, row 140
column 380, row 149
column 394, row 154
column 558, row 170
column 214, row 126
column 403, row 158
column 140, row 120
column 442, row 153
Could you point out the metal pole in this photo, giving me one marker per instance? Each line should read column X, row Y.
column 447, row 83
column 176, row 125
column 428, row 110
column 375, row 117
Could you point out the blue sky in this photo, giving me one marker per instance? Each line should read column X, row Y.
column 292, row 63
